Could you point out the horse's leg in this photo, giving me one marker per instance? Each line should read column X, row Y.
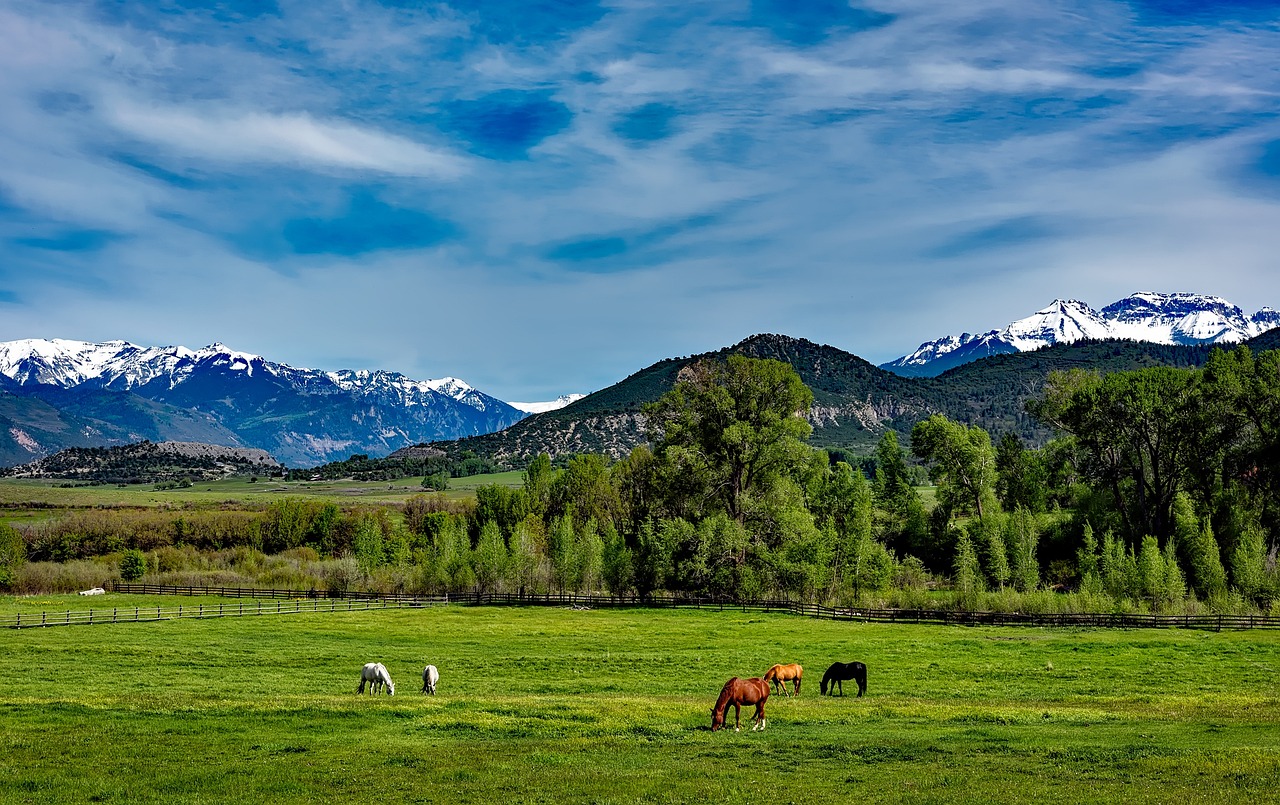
column 737, row 717
column 759, row 717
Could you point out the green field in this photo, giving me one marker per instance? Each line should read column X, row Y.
column 15, row 492
column 556, row 705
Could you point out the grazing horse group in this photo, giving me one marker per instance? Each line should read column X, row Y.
column 376, row 676
column 738, row 692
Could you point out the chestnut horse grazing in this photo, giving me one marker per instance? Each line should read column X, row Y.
column 840, row 671
column 737, row 692
column 780, row 675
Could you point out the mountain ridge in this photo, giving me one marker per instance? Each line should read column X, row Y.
column 301, row 416
column 855, row 402
column 1185, row 319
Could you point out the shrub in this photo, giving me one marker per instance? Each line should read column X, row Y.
column 132, row 565
column 62, row 577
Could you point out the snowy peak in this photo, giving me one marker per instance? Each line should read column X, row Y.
column 1063, row 321
column 123, row 366
column 1163, row 318
column 113, row 364
column 550, row 405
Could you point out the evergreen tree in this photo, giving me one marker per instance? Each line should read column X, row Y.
column 538, row 478
column 367, row 544
column 1024, row 540
column 1175, row 588
column 618, row 564
column 1248, row 565
column 968, row 569
column 560, row 548
column 1151, row 570
column 893, row 482
column 526, row 555
column 1208, row 578
column 490, row 557
column 989, row 535
column 653, row 561
column 1021, row 477
column 590, row 558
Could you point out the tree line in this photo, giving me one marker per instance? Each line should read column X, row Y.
column 1158, row 493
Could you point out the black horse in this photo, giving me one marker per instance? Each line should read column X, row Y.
column 840, row 671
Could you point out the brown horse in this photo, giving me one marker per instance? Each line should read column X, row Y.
column 780, row 675
column 737, row 692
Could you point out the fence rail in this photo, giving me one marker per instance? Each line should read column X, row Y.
column 258, row 592
column 242, row 608
column 297, row 601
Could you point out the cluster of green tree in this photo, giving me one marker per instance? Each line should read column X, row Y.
column 1175, row 468
column 729, row 502
column 1161, row 489
column 139, row 463
column 361, row 467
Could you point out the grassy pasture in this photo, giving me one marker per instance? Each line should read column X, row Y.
column 49, row 496
column 554, row 705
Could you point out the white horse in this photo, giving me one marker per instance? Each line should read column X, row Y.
column 375, row 673
column 430, row 676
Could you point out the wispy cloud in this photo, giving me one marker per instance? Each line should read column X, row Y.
column 288, row 138
column 665, row 178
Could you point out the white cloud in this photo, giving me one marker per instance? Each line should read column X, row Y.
column 290, row 139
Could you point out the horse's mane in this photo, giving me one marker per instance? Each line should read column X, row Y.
column 725, row 693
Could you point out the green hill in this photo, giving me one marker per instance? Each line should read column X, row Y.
column 855, row 402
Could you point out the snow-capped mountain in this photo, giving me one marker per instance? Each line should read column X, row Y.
column 1176, row 318
column 301, row 416
column 550, row 405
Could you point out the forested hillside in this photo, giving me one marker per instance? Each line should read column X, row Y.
column 855, row 402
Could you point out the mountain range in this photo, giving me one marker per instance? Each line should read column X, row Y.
column 59, row 393
column 1176, row 318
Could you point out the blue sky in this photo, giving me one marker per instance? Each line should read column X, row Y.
column 544, row 196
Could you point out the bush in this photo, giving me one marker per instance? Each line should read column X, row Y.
column 62, row 577
column 13, row 554
column 133, row 565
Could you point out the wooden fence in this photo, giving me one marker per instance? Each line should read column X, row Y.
column 258, row 592
column 221, row 610
column 295, row 601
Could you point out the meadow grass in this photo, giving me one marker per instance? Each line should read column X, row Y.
column 47, row 497
column 556, row 705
